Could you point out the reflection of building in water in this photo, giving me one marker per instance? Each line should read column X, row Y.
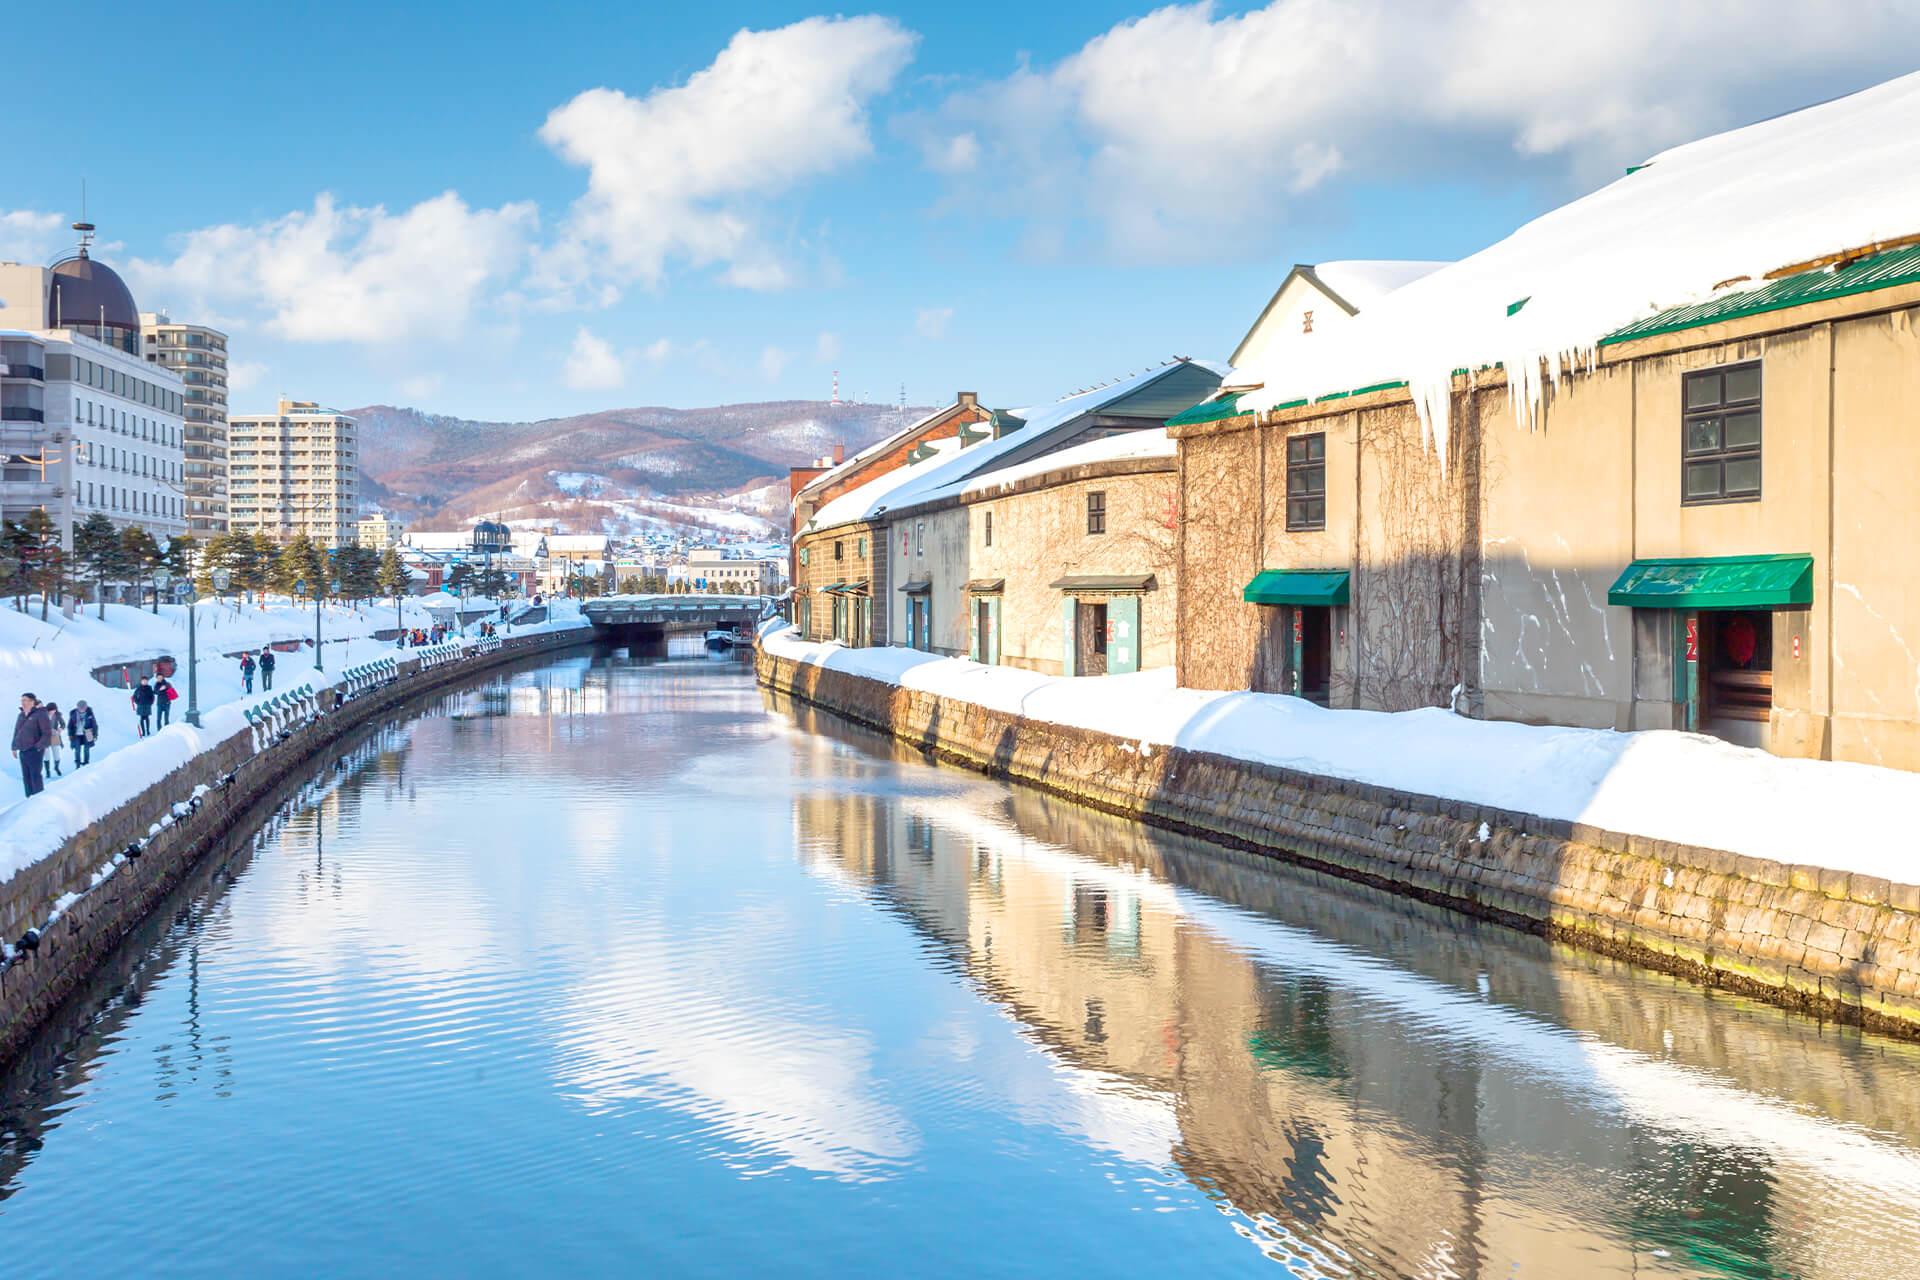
column 1338, row 1124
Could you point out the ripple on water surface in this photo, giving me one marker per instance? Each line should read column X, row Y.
column 610, row 968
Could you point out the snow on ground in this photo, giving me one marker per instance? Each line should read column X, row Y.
column 1665, row 785
column 1831, row 178
column 55, row 659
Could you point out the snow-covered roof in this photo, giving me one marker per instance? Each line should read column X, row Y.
column 842, row 469
column 1732, row 207
column 951, row 463
column 1154, row 443
column 1361, row 282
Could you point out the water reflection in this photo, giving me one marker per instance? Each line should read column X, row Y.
column 606, row 967
column 1374, row 1086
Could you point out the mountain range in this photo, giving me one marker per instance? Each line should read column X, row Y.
column 617, row 470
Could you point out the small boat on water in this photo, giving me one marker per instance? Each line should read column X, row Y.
column 727, row 641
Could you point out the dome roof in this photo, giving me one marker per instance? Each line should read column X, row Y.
column 89, row 294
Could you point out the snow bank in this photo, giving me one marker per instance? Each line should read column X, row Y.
column 55, row 659
column 1665, row 785
column 1731, row 207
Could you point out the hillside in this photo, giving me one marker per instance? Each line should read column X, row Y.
column 618, row 470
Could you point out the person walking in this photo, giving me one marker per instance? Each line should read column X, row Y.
column 143, row 705
column 55, row 763
column 163, row 695
column 31, row 733
column 246, row 670
column 82, row 729
column 267, row 661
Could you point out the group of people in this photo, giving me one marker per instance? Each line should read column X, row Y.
column 416, row 637
column 42, row 734
column 153, row 703
column 264, row 666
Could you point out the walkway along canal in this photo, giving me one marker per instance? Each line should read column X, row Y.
column 604, row 966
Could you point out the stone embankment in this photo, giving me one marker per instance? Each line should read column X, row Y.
column 71, row 910
column 1839, row 945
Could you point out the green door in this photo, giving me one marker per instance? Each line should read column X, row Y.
column 1123, row 634
column 1069, row 635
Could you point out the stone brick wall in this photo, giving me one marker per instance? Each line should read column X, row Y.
column 38, row 980
column 1844, row 946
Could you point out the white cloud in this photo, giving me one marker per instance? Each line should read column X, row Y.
column 421, row 387
column 1175, row 127
column 931, row 322
column 826, row 348
column 675, row 174
column 658, row 350
column 334, row 274
column 773, row 362
column 245, row 375
column 27, row 235
column 593, row 365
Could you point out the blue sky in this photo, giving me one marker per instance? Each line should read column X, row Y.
column 508, row 212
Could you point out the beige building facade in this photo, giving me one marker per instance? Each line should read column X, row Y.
column 296, row 470
column 199, row 355
column 1708, row 530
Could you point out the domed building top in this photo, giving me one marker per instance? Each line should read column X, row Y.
column 89, row 296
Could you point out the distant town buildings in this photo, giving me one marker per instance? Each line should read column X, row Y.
column 86, row 424
column 295, row 470
column 378, row 531
column 199, row 355
column 739, row 575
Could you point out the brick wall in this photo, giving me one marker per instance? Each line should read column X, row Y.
column 1845, row 946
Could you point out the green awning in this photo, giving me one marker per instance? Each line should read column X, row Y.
column 1227, row 406
column 1298, row 586
column 1716, row 582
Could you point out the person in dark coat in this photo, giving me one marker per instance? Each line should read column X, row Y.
column 82, row 729
column 246, row 670
column 266, row 668
column 31, row 737
column 143, row 705
column 163, row 696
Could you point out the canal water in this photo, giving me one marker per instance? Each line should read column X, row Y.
column 608, row 967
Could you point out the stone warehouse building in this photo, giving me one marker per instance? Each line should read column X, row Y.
column 1039, row 540
column 1707, row 526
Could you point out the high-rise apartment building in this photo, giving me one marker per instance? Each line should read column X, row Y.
column 86, row 424
column 296, row 470
column 199, row 355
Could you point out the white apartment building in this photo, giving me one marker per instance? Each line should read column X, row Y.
column 199, row 355
column 86, row 424
column 296, row 470
column 378, row 531
column 735, row 575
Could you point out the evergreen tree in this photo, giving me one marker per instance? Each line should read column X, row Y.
column 13, row 563
column 266, row 552
column 140, row 555
column 357, row 572
column 96, row 548
column 43, row 560
column 183, row 556
column 301, row 567
column 393, row 574
column 460, row 578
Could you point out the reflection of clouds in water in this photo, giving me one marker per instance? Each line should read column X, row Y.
column 688, row 1030
column 598, row 829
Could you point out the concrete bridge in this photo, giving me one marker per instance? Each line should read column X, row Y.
column 654, row 617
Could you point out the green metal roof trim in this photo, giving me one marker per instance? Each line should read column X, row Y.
column 1299, row 586
column 1881, row 271
column 1716, row 582
column 1208, row 411
column 1360, row 391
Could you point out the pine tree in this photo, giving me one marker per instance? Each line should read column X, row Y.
column 13, row 563
column 300, row 568
column 44, row 562
column 357, row 571
column 96, row 548
column 393, row 574
column 266, row 552
column 140, row 555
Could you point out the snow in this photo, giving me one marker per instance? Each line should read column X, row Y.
column 55, row 659
column 907, row 485
column 1362, row 282
column 1733, row 206
column 1665, row 785
column 877, row 447
column 1115, row 448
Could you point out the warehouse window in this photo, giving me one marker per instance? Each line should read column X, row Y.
column 989, row 528
column 1097, row 512
column 1720, row 436
column 1307, row 482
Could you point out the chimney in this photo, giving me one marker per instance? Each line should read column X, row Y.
column 839, row 454
column 968, row 399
